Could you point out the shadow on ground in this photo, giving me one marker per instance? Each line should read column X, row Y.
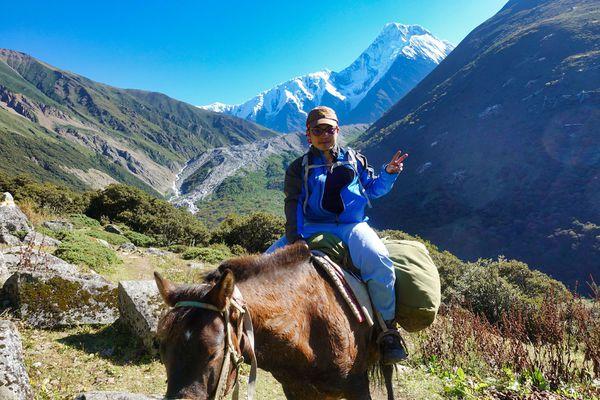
column 113, row 342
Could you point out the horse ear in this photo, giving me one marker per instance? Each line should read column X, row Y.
column 165, row 288
column 221, row 293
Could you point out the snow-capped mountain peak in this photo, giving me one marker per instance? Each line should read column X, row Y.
column 284, row 107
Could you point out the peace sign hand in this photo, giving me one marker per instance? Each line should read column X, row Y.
column 395, row 166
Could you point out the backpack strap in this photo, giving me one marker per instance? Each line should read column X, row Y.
column 353, row 161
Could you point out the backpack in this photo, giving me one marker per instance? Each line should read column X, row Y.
column 418, row 288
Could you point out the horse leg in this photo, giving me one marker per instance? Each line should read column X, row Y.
column 388, row 371
column 360, row 388
column 302, row 392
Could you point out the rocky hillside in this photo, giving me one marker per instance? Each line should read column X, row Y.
column 64, row 127
column 390, row 67
column 504, row 142
column 243, row 178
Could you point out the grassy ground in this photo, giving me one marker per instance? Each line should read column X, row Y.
column 62, row 363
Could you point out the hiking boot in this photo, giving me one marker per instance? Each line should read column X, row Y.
column 393, row 348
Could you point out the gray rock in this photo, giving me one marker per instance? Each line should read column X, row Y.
column 153, row 251
column 48, row 300
column 115, row 396
column 26, row 259
column 113, row 229
column 58, row 225
column 141, row 306
column 14, row 382
column 39, row 239
column 7, row 238
column 127, row 247
column 12, row 218
column 103, row 242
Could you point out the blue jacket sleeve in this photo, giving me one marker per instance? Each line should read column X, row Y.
column 375, row 185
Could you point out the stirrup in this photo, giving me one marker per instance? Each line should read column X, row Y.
column 390, row 332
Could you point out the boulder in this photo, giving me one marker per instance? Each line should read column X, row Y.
column 7, row 238
column 14, row 382
column 103, row 242
column 24, row 258
column 127, row 247
column 39, row 239
column 49, row 300
column 58, row 225
column 12, row 218
column 141, row 306
column 113, row 229
column 153, row 251
column 115, row 396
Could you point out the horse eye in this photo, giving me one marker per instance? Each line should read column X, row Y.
column 212, row 356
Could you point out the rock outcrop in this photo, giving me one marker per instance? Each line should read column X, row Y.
column 48, row 300
column 12, row 220
column 14, row 382
column 141, row 306
column 58, row 225
column 39, row 239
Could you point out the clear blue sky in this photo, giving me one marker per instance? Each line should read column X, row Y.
column 202, row 51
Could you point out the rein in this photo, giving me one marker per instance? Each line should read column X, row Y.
column 231, row 355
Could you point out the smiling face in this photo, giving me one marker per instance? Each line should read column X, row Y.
column 324, row 136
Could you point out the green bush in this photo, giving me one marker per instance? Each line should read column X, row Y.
column 255, row 232
column 47, row 197
column 139, row 239
column 148, row 215
column 112, row 238
column 79, row 249
column 177, row 248
column 207, row 254
column 81, row 221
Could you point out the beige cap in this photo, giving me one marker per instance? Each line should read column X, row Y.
column 321, row 115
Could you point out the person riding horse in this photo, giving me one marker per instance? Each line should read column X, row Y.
column 327, row 190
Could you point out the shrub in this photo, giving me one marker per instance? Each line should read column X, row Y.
column 148, row 215
column 79, row 249
column 81, row 221
column 112, row 238
column 46, row 197
column 139, row 239
column 206, row 254
column 255, row 232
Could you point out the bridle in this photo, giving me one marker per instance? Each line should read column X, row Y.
column 231, row 356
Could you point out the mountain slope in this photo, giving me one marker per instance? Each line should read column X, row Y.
column 398, row 59
column 127, row 135
column 504, row 142
column 244, row 178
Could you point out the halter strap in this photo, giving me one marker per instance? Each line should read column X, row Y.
column 231, row 355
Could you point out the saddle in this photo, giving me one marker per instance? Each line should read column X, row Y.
column 350, row 286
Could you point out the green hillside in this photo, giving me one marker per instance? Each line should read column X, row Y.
column 503, row 142
column 64, row 121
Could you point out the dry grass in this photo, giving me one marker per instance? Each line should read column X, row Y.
column 62, row 363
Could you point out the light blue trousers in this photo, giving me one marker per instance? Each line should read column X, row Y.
column 369, row 255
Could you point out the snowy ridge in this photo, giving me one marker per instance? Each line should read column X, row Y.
column 285, row 106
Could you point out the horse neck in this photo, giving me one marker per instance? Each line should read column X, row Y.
column 276, row 292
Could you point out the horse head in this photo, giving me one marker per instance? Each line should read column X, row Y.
column 197, row 337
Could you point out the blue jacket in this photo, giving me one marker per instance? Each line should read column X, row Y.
column 317, row 193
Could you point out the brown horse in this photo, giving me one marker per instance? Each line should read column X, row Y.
column 305, row 334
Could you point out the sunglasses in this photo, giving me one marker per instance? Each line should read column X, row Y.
column 318, row 131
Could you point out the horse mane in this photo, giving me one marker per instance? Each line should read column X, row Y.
column 246, row 267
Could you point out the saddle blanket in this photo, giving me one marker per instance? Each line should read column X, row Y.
column 352, row 289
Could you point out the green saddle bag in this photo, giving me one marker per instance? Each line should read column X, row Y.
column 418, row 290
